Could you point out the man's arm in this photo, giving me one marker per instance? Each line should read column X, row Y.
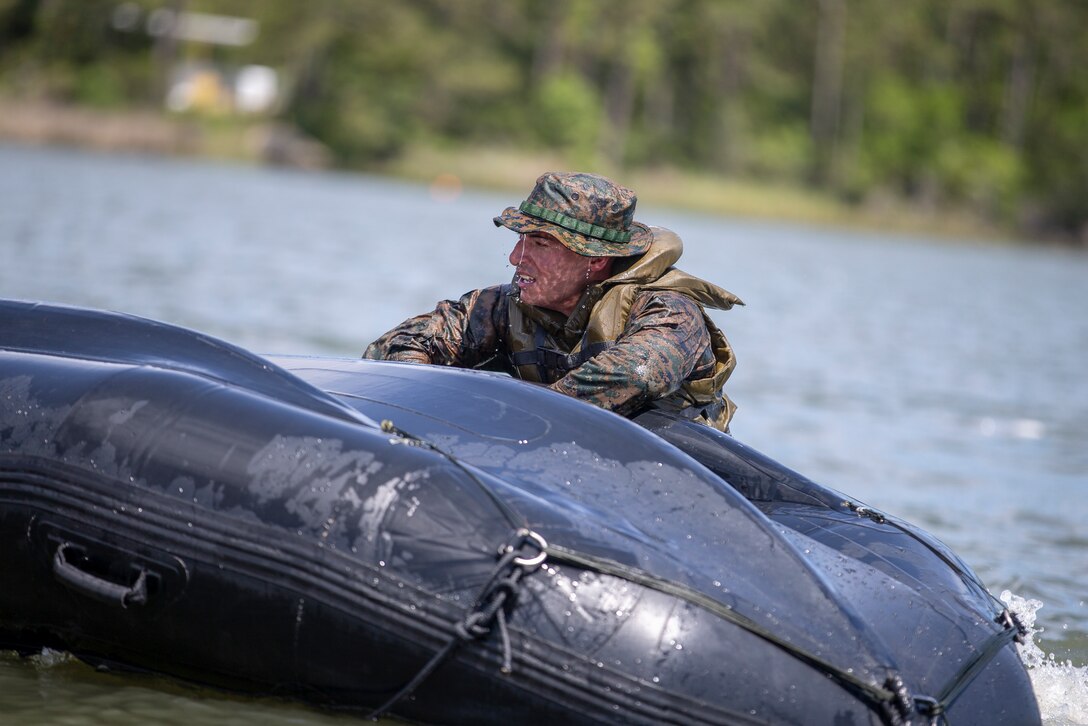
column 663, row 342
column 461, row 332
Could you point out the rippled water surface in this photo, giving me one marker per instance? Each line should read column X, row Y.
column 942, row 382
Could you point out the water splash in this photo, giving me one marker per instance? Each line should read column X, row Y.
column 49, row 658
column 1060, row 687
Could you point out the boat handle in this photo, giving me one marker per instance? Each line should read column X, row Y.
column 93, row 586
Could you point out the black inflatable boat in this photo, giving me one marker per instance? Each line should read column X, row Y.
column 450, row 546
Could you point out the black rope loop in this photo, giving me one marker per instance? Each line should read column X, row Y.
column 508, row 587
column 472, row 626
column 863, row 511
column 522, row 555
column 403, row 437
column 932, row 708
column 1008, row 619
column 507, row 666
column 900, row 707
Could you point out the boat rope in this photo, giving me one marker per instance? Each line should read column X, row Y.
column 936, row 708
column 880, row 518
column 863, row 511
column 1012, row 630
column 409, row 439
column 878, row 695
column 893, row 699
column 898, row 709
column 521, row 556
column 1004, row 617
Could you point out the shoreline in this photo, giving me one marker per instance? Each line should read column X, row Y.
column 265, row 142
column 503, row 170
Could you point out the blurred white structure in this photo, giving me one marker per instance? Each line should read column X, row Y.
column 255, row 89
column 206, row 87
column 202, row 27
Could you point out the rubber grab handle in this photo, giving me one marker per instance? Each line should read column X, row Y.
column 92, row 586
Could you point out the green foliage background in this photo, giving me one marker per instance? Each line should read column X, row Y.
column 976, row 104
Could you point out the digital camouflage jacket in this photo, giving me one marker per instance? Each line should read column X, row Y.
column 640, row 339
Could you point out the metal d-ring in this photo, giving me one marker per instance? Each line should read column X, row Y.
column 540, row 556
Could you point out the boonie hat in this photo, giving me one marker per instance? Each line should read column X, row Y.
column 588, row 213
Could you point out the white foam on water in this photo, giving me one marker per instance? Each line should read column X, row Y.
column 1029, row 429
column 50, row 658
column 1060, row 687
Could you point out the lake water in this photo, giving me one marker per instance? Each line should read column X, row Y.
column 943, row 382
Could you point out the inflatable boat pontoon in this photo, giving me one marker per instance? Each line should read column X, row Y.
column 451, row 546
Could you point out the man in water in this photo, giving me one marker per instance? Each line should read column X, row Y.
column 596, row 310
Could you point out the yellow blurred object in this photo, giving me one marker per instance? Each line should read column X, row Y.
column 207, row 93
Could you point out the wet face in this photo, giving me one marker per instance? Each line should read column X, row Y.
column 550, row 275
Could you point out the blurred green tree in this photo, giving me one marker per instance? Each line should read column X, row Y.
column 976, row 103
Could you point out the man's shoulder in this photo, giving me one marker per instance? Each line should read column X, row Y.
column 705, row 293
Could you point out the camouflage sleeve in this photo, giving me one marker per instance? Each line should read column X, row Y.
column 463, row 333
column 664, row 339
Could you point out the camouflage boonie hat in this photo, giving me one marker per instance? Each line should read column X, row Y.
column 588, row 213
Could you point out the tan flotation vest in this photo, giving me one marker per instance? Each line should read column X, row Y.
column 536, row 356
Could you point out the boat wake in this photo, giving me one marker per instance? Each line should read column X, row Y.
column 1060, row 687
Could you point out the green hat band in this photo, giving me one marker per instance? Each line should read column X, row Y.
column 575, row 225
